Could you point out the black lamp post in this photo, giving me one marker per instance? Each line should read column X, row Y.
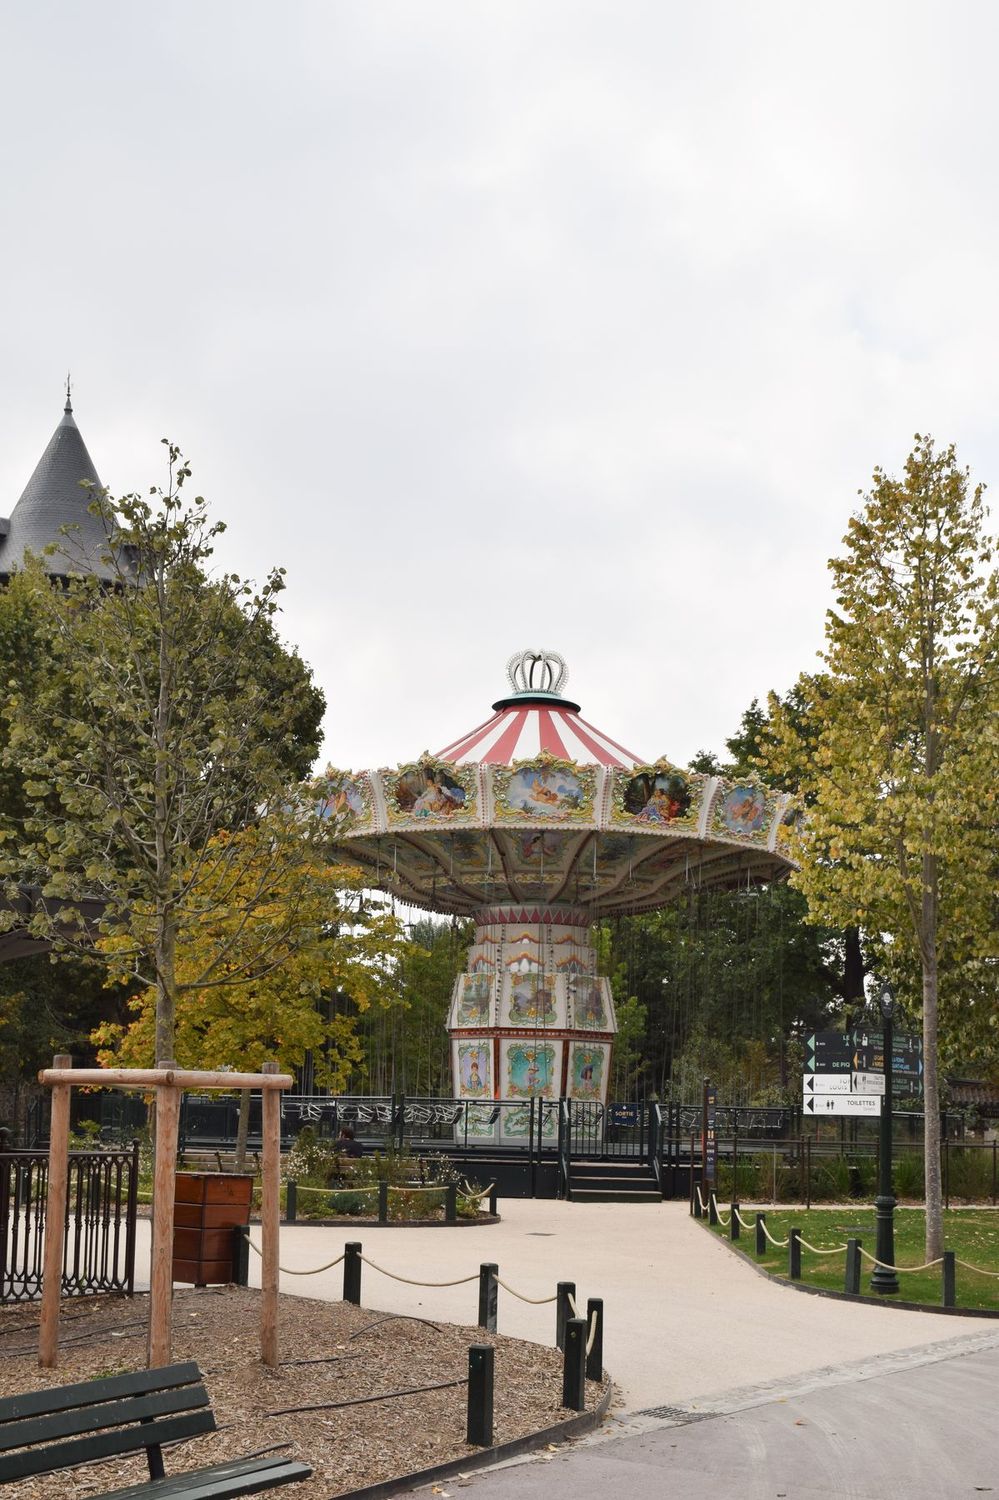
column 886, row 1281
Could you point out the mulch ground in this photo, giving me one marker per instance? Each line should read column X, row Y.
column 332, row 1354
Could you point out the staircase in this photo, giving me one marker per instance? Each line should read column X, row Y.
column 613, row 1181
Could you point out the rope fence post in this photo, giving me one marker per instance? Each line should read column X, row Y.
column 949, row 1279
column 291, row 1202
column 595, row 1340
column 794, row 1254
column 352, row 1273
column 241, row 1256
column 761, row 1234
column 712, row 1209
column 488, row 1296
column 492, row 1200
column 733, row 1223
column 565, row 1292
column 383, row 1188
column 479, row 1423
column 574, row 1365
column 851, row 1279
column 696, row 1197
column 451, row 1203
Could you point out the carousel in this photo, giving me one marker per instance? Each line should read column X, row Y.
column 535, row 824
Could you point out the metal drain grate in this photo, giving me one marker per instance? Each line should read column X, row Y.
column 675, row 1414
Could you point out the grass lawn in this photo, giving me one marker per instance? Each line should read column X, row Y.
column 972, row 1234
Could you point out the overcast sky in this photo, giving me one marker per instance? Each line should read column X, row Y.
column 572, row 325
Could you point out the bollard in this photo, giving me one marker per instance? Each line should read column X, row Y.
column 595, row 1355
column 794, row 1254
column 574, row 1365
column 712, row 1209
column 563, row 1312
column 949, row 1279
column 241, row 1256
column 352, row 1273
column 733, row 1223
column 383, row 1188
column 761, row 1238
column 488, row 1296
column 695, row 1201
column 492, row 1200
column 479, row 1425
column 291, row 1203
column 451, row 1204
column 851, row 1282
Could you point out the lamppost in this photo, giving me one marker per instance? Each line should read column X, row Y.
column 882, row 1280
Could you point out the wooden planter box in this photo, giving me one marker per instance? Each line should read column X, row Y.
column 208, row 1206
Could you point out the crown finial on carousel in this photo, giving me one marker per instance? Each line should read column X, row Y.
column 532, row 672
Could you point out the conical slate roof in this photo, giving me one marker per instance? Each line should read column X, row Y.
column 54, row 497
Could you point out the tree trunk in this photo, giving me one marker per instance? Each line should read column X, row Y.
column 853, row 969
column 931, row 1077
column 242, row 1129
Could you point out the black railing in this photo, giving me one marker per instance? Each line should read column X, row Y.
column 101, row 1205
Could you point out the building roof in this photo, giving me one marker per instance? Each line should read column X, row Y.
column 53, row 498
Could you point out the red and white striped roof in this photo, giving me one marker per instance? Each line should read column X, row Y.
column 531, row 721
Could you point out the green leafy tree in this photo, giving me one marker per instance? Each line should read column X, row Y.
column 168, row 713
column 901, row 747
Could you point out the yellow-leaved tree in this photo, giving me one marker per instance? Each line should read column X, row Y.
column 897, row 750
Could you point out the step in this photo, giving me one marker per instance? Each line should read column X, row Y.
column 613, row 1195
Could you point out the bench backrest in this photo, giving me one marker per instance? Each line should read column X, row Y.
column 75, row 1424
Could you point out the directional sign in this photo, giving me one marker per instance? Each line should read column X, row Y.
column 843, row 1104
column 868, row 1083
column 826, row 1083
column 828, row 1052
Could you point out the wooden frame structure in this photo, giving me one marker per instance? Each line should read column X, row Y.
column 168, row 1082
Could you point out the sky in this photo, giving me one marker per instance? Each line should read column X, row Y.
column 533, row 324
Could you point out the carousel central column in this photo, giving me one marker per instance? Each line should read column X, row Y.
column 530, row 1018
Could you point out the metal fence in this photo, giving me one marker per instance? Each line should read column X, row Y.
column 102, row 1198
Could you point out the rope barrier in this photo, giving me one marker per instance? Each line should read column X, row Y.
column 288, row 1270
column 326, row 1191
column 781, row 1244
column 534, row 1301
column 472, row 1195
column 700, row 1198
column 722, row 1219
column 572, row 1303
column 591, row 1335
column 979, row 1269
column 886, row 1267
column 459, row 1281
column 815, row 1249
column 742, row 1221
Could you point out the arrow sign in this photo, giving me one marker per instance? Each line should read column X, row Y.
column 868, row 1083
column 843, row 1104
column 828, row 1052
column 826, row 1083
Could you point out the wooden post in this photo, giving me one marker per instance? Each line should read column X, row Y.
column 55, row 1219
column 270, row 1220
column 161, row 1262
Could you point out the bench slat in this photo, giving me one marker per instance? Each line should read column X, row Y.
column 247, row 1476
column 88, row 1392
column 135, row 1409
column 103, row 1445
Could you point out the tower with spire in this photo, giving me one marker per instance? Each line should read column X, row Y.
column 53, row 499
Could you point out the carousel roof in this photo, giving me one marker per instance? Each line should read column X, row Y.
column 500, row 819
column 536, row 719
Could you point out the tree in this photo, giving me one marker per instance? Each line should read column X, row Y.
column 168, row 714
column 901, row 746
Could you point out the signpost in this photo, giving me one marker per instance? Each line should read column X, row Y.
column 868, row 1083
column 709, row 1145
column 828, row 1052
column 843, row 1104
column 827, row 1083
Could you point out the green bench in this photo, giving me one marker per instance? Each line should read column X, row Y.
column 43, row 1431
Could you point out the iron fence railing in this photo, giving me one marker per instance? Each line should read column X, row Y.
column 101, row 1206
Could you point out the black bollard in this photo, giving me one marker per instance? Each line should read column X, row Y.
column 451, row 1204
column 241, row 1256
column 761, row 1234
column 949, row 1279
column 851, row 1281
column 479, row 1426
column 574, row 1365
column 794, row 1254
column 695, row 1200
column 563, row 1312
column 595, row 1354
column 383, row 1188
column 352, row 1273
column 488, row 1296
column 291, row 1202
column 492, row 1200
column 733, row 1223
column 712, row 1209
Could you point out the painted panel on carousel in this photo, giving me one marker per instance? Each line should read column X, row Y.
column 430, row 792
column 474, row 1069
column 743, row 811
column 544, row 790
column 482, row 1122
column 475, row 996
column 587, row 1070
column 347, row 800
column 530, row 1000
column 656, row 798
column 591, row 1007
column 531, row 1069
column 515, row 1121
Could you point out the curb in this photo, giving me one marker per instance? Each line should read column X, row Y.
column 822, row 1291
column 576, row 1426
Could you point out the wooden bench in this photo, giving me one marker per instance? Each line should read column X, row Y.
column 76, row 1424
